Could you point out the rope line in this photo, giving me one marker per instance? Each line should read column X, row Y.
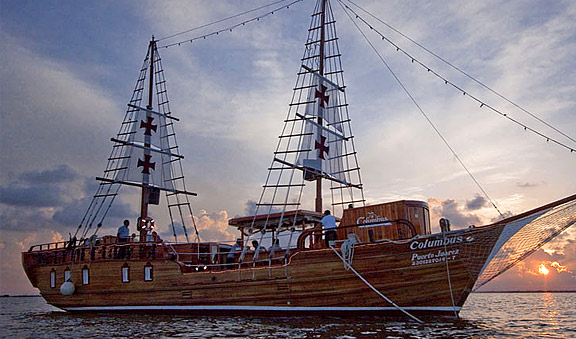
column 448, row 82
column 463, row 72
column 374, row 288
column 229, row 28
column 423, row 113
column 219, row 21
column 448, row 274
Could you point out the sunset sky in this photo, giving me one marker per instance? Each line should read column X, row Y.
column 68, row 69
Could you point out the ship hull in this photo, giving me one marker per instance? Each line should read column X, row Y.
column 414, row 274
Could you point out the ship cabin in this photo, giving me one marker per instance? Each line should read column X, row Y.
column 373, row 223
column 396, row 220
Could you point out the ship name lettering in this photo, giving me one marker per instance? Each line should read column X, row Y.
column 371, row 218
column 429, row 243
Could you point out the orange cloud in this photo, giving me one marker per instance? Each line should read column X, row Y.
column 559, row 268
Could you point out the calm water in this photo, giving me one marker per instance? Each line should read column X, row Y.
column 515, row 315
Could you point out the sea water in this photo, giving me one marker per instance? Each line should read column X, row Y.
column 485, row 315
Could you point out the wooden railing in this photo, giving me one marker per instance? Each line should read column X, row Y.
column 312, row 237
column 56, row 253
column 50, row 246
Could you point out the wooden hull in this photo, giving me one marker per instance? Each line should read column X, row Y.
column 413, row 274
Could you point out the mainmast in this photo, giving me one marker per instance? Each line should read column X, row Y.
column 321, row 71
column 315, row 149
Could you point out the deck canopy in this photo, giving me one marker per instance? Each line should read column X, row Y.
column 278, row 220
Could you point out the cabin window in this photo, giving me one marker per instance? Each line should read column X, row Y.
column 52, row 278
column 67, row 275
column 125, row 273
column 85, row 275
column 148, row 272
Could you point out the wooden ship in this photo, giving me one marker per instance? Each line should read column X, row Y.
column 385, row 257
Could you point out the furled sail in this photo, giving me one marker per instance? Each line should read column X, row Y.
column 323, row 132
column 147, row 157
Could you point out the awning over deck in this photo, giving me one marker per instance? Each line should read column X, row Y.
column 274, row 220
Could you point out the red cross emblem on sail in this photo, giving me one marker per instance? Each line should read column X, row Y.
column 321, row 146
column 147, row 164
column 322, row 95
column 148, row 126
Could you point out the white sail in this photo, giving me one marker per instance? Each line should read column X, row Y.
column 322, row 144
column 143, row 164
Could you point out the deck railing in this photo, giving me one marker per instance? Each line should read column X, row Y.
column 312, row 237
column 194, row 256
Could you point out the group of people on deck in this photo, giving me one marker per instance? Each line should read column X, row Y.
column 123, row 234
column 328, row 225
column 257, row 249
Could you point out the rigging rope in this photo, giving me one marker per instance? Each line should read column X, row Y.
column 374, row 288
column 422, row 112
column 229, row 28
column 461, row 71
column 448, row 273
column 221, row 20
column 448, row 82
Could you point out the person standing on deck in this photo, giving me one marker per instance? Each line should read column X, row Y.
column 124, row 232
column 329, row 226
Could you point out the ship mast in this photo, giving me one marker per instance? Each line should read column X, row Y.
column 321, row 71
column 146, row 176
column 146, row 155
column 317, row 137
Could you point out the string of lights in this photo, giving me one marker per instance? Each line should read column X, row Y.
column 459, row 88
column 221, row 20
column 458, row 69
column 229, row 28
column 422, row 111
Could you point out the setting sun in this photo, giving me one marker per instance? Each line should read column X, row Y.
column 543, row 270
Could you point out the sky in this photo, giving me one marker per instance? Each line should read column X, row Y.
column 68, row 69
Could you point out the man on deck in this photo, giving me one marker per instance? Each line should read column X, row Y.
column 329, row 226
column 124, row 232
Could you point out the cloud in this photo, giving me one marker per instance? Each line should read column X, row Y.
column 527, row 184
column 451, row 210
column 33, row 199
column 48, row 116
column 214, row 226
column 46, row 188
column 43, row 195
column 251, row 209
column 477, row 203
column 504, row 215
column 13, row 279
column 62, row 173
column 70, row 214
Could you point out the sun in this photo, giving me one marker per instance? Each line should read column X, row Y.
column 543, row 270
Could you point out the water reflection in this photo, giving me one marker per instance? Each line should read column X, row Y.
column 484, row 316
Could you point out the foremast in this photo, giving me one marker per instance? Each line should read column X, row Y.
column 145, row 155
column 145, row 197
